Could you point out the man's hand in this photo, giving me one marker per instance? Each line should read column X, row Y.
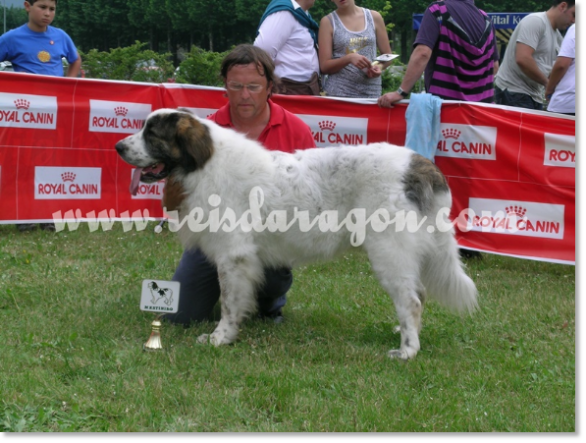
column 417, row 63
column 389, row 99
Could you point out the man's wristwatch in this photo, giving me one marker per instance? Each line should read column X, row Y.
column 402, row 93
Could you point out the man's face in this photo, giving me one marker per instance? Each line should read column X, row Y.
column 41, row 14
column 567, row 18
column 248, row 91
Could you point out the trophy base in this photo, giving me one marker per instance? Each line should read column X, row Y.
column 154, row 342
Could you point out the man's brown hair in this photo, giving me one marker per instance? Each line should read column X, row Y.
column 246, row 54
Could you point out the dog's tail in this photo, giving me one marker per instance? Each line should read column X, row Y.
column 444, row 278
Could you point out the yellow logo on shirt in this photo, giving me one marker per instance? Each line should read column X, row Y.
column 356, row 44
column 44, row 56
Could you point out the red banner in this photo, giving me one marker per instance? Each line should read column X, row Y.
column 511, row 171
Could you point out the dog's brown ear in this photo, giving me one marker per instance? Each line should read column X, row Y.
column 193, row 139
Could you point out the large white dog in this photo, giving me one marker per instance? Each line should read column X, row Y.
column 247, row 208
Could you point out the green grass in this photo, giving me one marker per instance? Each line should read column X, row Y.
column 71, row 336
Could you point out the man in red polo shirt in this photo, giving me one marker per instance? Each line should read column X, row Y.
column 248, row 74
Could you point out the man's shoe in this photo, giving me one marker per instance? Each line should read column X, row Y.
column 275, row 317
column 24, row 227
column 278, row 317
column 468, row 253
column 50, row 227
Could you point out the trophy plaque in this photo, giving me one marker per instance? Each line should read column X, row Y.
column 160, row 297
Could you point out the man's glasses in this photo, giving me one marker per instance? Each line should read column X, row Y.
column 252, row 87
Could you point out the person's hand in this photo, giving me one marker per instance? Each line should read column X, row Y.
column 387, row 100
column 358, row 60
column 374, row 71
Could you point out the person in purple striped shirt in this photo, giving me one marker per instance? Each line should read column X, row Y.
column 456, row 47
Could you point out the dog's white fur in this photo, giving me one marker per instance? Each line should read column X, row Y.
column 377, row 176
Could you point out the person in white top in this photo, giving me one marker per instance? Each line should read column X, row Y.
column 530, row 55
column 289, row 35
column 561, row 87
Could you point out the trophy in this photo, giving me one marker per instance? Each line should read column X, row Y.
column 161, row 297
column 154, row 342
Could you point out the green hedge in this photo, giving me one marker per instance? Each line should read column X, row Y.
column 199, row 67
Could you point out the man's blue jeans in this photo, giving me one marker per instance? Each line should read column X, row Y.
column 516, row 99
column 200, row 289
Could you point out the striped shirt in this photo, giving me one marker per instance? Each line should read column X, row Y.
column 462, row 67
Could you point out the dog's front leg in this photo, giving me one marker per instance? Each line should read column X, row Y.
column 239, row 277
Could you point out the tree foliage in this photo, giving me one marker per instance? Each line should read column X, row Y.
column 201, row 67
column 175, row 26
column 129, row 63
column 14, row 18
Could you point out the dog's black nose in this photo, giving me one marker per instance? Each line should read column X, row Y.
column 120, row 147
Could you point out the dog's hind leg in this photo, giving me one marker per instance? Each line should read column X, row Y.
column 398, row 274
column 239, row 277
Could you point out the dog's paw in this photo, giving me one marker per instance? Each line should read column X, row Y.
column 203, row 339
column 400, row 354
column 215, row 338
column 219, row 339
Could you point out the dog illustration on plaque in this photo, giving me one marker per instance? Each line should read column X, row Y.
column 159, row 293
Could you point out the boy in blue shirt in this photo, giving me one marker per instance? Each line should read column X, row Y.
column 37, row 47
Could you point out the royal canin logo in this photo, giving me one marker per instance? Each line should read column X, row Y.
column 331, row 130
column 327, row 125
column 28, row 111
column 517, row 211
column 560, row 150
column 68, row 176
column 22, row 103
column 121, row 111
column 467, row 141
column 520, row 218
column 451, row 133
column 328, row 137
column 118, row 117
column 54, row 183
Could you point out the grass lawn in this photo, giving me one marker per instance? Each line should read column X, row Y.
column 71, row 336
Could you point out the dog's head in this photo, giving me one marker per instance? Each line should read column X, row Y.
column 171, row 142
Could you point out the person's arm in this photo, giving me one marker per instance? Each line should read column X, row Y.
column 564, row 60
column 495, row 68
column 559, row 69
column 274, row 32
column 382, row 38
column 417, row 63
column 329, row 65
column 528, row 65
column 4, row 51
column 382, row 43
column 74, row 68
